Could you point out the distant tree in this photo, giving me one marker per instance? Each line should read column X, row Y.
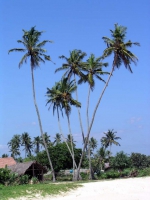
column 139, row 160
column 14, row 145
column 27, row 143
column 47, row 139
column 120, row 161
column 57, row 139
column 5, row 155
column 109, row 139
column 37, row 142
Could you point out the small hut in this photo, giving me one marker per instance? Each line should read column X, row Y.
column 31, row 168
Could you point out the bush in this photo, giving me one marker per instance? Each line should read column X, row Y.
column 64, row 178
column 144, row 172
column 84, row 176
column 126, row 172
column 24, row 179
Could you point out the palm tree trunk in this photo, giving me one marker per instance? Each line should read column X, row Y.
column 94, row 113
column 71, row 147
column 79, row 114
column 40, row 124
column 65, row 140
column 89, row 153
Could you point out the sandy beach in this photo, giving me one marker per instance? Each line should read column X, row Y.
column 120, row 189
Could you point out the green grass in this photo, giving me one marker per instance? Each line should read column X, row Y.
column 30, row 190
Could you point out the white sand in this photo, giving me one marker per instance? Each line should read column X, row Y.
column 120, row 189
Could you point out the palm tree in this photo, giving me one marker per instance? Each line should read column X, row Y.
column 64, row 100
column 37, row 141
column 55, row 98
column 109, row 139
column 14, row 146
column 102, row 155
column 57, row 139
column 73, row 67
column 27, row 143
column 93, row 68
column 36, row 53
column 121, row 55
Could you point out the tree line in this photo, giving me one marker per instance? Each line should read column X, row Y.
column 77, row 71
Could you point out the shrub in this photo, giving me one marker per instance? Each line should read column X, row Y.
column 84, row 175
column 24, row 179
column 126, row 172
column 144, row 172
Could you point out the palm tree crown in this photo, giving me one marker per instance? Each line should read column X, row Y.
column 74, row 63
column 93, row 67
column 33, row 48
column 61, row 95
column 109, row 139
column 119, row 48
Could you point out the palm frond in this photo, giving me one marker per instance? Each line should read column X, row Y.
column 17, row 49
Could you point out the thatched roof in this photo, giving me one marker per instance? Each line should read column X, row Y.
column 7, row 162
column 21, row 168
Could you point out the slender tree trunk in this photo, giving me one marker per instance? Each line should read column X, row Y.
column 89, row 152
column 65, row 140
column 87, row 109
column 79, row 114
column 40, row 124
column 94, row 113
column 71, row 147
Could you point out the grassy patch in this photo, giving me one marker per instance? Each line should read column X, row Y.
column 31, row 190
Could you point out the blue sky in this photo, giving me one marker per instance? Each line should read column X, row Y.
column 76, row 25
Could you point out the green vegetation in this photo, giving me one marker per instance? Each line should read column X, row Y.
column 31, row 190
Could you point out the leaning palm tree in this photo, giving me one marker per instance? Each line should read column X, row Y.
column 93, row 68
column 109, row 139
column 121, row 55
column 73, row 68
column 34, row 50
column 27, row 143
column 55, row 99
column 64, row 92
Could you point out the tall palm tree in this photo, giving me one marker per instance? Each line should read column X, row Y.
column 27, row 143
column 36, row 53
column 109, row 139
column 14, row 145
column 93, row 68
column 73, row 68
column 121, row 55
